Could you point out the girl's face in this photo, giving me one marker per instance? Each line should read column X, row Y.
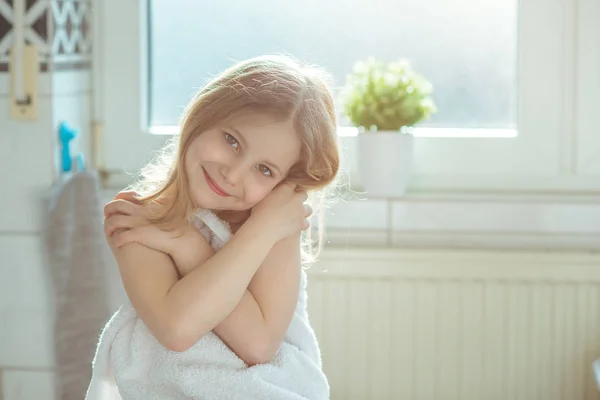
column 235, row 165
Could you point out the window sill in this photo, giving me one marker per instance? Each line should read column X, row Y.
column 484, row 221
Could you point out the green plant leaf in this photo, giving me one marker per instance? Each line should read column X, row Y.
column 387, row 96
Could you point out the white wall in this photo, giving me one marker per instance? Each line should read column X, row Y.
column 27, row 170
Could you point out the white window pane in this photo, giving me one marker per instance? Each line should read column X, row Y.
column 466, row 48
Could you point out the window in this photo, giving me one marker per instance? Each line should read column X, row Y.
column 495, row 65
column 466, row 49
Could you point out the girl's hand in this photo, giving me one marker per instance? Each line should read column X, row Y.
column 126, row 221
column 283, row 212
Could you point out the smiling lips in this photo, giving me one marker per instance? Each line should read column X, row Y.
column 214, row 186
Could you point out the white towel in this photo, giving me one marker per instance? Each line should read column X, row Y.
column 131, row 364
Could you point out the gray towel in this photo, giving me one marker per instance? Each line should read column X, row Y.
column 77, row 256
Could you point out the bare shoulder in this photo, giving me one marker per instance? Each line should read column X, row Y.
column 141, row 266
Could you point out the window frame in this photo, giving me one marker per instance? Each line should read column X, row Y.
column 541, row 158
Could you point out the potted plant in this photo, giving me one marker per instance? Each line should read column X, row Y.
column 385, row 101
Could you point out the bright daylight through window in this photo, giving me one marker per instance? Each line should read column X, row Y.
column 466, row 49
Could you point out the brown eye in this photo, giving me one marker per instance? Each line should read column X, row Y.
column 232, row 141
column 263, row 169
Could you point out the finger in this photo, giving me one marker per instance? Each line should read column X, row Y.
column 307, row 211
column 302, row 194
column 118, row 221
column 144, row 235
column 120, row 207
column 115, row 236
column 128, row 195
column 124, row 237
column 305, row 224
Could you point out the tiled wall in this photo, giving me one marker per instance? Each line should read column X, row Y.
column 61, row 30
column 518, row 223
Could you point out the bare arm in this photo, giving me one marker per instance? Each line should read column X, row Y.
column 256, row 327
column 180, row 312
column 147, row 276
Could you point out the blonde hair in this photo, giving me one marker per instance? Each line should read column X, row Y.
column 276, row 85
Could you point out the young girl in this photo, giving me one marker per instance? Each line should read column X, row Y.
column 209, row 246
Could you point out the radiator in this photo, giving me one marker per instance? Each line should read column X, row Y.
column 429, row 325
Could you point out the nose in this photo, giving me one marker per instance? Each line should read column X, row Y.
column 233, row 174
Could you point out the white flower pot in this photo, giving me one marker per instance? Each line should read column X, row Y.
column 385, row 161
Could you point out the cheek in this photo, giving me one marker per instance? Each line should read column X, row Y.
column 210, row 148
column 208, row 152
column 196, row 186
column 216, row 147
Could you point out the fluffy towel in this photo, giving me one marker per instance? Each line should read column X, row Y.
column 131, row 364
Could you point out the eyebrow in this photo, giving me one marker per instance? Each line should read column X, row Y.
column 245, row 143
